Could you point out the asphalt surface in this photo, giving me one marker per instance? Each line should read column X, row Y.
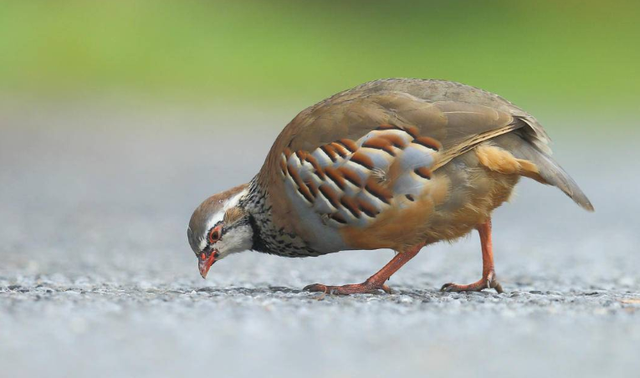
column 97, row 278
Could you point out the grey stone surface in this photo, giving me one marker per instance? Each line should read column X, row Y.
column 97, row 279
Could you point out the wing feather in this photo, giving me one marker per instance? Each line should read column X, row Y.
column 349, row 156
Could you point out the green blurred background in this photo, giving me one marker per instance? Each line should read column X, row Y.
column 567, row 57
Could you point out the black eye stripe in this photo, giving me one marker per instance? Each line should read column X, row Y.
column 220, row 232
column 224, row 229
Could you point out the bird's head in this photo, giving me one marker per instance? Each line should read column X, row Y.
column 219, row 227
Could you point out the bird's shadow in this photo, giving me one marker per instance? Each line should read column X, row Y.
column 249, row 291
column 418, row 294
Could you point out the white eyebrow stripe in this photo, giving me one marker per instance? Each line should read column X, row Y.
column 232, row 202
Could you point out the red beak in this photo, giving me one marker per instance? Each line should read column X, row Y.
column 205, row 262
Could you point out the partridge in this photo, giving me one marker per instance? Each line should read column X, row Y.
column 395, row 163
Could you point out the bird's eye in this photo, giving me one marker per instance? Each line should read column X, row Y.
column 214, row 235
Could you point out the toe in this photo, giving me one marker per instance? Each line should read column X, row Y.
column 492, row 283
column 316, row 288
column 496, row 285
column 363, row 288
column 448, row 287
column 457, row 288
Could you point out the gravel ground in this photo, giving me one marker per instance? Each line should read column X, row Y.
column 97, row 279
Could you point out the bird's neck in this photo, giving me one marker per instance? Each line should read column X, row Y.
column 267, row 236
column 257, row 206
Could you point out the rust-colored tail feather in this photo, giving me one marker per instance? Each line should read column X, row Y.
column 552, row 173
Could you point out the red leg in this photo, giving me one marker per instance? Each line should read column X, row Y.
column 374, row 283
column 488, row 279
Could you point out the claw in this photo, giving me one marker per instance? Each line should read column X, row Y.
column 446, row 287
column 316, row 287
column 483, row 283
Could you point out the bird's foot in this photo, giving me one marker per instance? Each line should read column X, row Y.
column 362, row 288
column 489, row 282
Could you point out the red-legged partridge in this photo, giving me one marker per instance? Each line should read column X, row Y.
column 397, row 163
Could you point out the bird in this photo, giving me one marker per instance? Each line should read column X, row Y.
column 390, row 164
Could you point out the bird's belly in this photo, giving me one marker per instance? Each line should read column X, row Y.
column 461, row 195
column 474, row 193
